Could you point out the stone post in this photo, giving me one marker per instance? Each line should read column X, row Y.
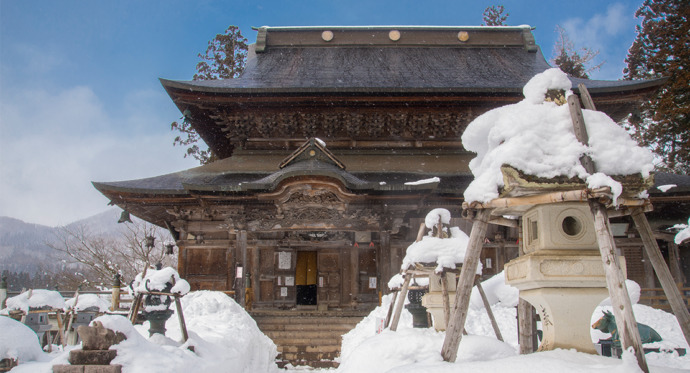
column 3, row 291
column 115, row 303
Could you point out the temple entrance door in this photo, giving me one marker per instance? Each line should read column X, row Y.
column 305, row 277
column 329, row 277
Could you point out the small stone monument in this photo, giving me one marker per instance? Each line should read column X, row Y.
column 95, row 354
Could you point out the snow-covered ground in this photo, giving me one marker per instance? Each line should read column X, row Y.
column 419, row 350
column 226, row 339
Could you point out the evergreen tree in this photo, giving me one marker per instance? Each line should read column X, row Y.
column 493, row 16
column 225, row 58
column 662, row 49
column 569, row 60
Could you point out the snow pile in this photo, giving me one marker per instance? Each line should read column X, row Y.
column 684, row 234
column 87, row 301
column 19, row 342
column 633, row 292
column 158, row 280
column 411, row 350
column 366, row 328
column 537, row 138
column 225, row 339
column 497, row 292
column 446, row 252
column 396, row 282
column 36, row 298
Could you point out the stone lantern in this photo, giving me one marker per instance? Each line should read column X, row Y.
column 561, row 274
column 415, row 307
column 157, row 309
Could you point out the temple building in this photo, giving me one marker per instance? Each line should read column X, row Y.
column 333, row 145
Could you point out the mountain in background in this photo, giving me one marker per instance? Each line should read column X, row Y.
column 24, row 246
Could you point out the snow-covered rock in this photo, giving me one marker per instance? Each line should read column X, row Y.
column 19, row 342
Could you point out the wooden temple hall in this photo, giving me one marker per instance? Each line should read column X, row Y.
column 333, row 145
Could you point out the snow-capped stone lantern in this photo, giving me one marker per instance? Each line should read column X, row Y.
column 536, row 160
column 437, row 255
column 158, row 287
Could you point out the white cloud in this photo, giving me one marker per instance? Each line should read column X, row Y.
column 611, row 33
column 53, row 144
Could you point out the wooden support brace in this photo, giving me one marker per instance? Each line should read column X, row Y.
column 390, row 309
column 489, row 312
column 180, row 317
column 464, row 289
column 615, row 281
column 446, row 300
column 400, row 303
column 651, row 247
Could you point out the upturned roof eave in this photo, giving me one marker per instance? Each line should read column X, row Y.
column 594, row 87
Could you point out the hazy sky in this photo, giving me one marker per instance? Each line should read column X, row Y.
column 80, row 99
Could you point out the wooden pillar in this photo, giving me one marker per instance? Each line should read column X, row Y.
column 674, row 263
column 255, row 273
column 462, row 294
column 354, row 275
column 526, row 326
column 672, row 293
column 649, row 278
column 396, row 260
column 241, row 255
column 384, row 267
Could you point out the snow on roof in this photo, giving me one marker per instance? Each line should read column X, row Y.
column 665, row 188
column 536, row 137
column 87, row 301
column 424, row 181
column 684, row 234
column 36, row 298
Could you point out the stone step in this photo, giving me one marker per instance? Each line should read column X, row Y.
column 310, row 338
column 324, row 348
column 307, row 320
column 304, row 334
column 306, row 341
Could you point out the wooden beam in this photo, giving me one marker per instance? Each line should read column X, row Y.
column 678, row 307
column 580, row 131
column 390, row 309
column 615, row 279
column 489, row 312
column 354, row 275
column 464, row 289
column 400, row 303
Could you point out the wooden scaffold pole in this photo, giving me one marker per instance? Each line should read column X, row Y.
column 675, row 300
column 615, row 280
column 464, row 289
